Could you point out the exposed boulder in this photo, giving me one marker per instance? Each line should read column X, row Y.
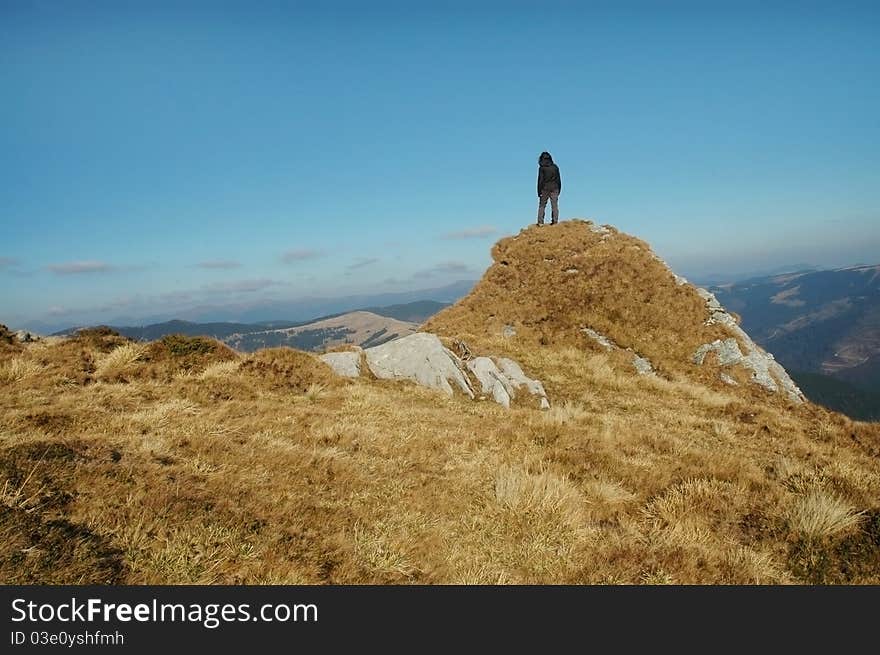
column 492, row 380
column 347, row 364
column 518, row 379
column 25, row 336
column 422, row 358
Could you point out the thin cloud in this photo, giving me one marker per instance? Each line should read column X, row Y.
column 75, row 268
column 443, row 268
column 7, row 262
column 175, row 297
column 221, row 264
column 240, row 286
column 471, row 233
column 300, row 255
column 362, row 262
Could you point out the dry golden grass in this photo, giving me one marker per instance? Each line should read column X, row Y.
column 119, row 361
column 567, row 412
column 220, row 370
column 819, row 514
column 185, row 462
column 18, row 368
column 269, row 469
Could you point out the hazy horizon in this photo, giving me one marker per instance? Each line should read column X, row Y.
column 161, row 159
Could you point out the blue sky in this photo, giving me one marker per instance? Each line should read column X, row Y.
column 157, row 157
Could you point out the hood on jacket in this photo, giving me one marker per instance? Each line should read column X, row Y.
column 545, row 159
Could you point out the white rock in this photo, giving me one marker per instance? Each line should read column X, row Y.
column 26, row 337
column 601, row 339
column 642, row 365
column 492, row 380
column 711, row 301
column 517, row 379
column 728, row 352
column 419, row 357
column 346, row 364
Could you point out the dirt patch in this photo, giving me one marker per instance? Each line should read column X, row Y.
column 54, row 551
column 38, row 547
column 854, row 559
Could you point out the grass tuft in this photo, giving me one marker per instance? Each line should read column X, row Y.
column 819, row 514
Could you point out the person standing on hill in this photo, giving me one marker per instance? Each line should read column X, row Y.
column 549, row 187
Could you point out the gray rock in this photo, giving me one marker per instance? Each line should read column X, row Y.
column 601, row 339
column 508, row 331
column 711, row 301
column 728, row 352
column 517, row 379
column 728, row 380
column 419, row 357
column 642, row 365
column 346, row 364
column 598, row 229
column 571, row 271
column 422, row 358
column 24, row 336
column 492, row 380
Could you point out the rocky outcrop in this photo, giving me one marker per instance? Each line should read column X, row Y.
column 423, row 359
column 347, row 364
column 766, row 371
column 518, row 379
column 492, row 380
column 642, row 366
column 601, row 339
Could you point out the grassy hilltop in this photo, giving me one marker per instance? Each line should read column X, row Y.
column 184, row 461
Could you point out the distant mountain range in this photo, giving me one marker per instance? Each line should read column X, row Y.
column 265, row 311
column 818, row 324
column 367, row 327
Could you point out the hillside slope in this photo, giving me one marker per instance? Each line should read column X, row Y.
column 361, row 328
column 183, row 461
column 584, row 285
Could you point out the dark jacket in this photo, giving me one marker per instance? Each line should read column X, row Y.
column 548, row 174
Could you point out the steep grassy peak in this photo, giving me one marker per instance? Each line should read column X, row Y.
column 551, row 283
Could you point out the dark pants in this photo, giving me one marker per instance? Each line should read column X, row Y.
column 553, row 196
